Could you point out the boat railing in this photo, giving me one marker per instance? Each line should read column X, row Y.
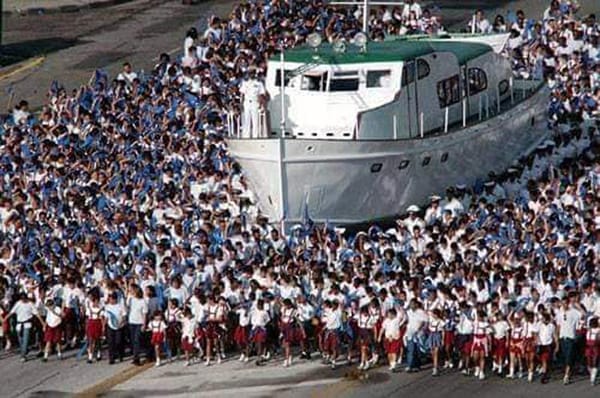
column 236, row 129
column 490, row 103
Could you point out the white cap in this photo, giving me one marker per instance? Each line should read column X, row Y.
column 412, row 209
column 435, row 198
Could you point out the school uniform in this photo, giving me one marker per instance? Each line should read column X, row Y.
column 480, row 338
column 157, row 330
column 93, row 328
column 435, row 328
column 391, row 335
column 259, row 320
column 592, row 346
column 53, row 332
column 240, row 335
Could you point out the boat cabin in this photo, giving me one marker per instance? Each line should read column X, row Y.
column 398, row 89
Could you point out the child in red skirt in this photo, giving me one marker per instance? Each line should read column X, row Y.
column 240, row 335
column 52, row 329
column 188, row 330
column 5, row 329
column 390, row 334
column 158, row 328
column 259, row 318
column 94, row 327
column 500, row 329
column 592, row 348
column 480, row 347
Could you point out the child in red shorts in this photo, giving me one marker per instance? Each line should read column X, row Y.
column 52, row 329
column 158, row 327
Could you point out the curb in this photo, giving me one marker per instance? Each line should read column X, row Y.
column 108, row 384
column 22, row 66
column 68, row 8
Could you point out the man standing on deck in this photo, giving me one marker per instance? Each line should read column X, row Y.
column 253, row 97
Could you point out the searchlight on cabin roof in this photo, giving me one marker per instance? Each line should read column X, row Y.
column 360, row 41
column 314, row 40
column 339, row 46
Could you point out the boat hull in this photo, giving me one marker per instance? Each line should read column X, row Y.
column 356, row 181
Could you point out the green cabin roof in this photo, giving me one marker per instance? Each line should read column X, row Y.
column 385, row 51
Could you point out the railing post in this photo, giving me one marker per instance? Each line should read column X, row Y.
column 480, row 107
column 395, row 122
column 498, row 98
column 421, row 117
column 487, row 105
column 512, row 90
column 464, row 112
column 446, row 120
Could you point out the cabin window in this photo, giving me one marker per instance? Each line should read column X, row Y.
column 477, row 81
column 379, row 78
column 287, row 75
column 376, row 167
column 344, row 84
column 408, row 73
column 404, row 164
column 503, row 87
column 346, row 73
column 448, row 91
column 444, row 157
column 422, row 69
column 314, row 82
column 426, row 161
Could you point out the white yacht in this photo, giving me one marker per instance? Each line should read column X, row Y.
column 359, row 132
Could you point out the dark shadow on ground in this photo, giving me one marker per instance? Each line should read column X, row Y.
column 15, row 52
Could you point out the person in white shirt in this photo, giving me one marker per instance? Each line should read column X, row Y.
column 259, row 318
column 305, row 312
column 567, row 319
column 332, row 318
column 417, row 320
column 500, row 332
column 137, row 317
column 52, row 329
column 547, row 343
column 127, row 75
column 24, row 310
column 390, row 334
column 188, row 331
column 253, row 98
column 115, row 315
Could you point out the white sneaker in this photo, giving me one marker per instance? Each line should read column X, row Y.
column 157, row 364
column 360, row 366
column 434, row 372
column 242, row 358
column 476, row 374
column 187, row 363
column 246, row 359
column 530, row 377
column 481, row 375
column 268, row 355
column 510, row 375
column 333, row 364
column 593, row 375
column 566, row 380
column 460, row 364
column 285, row 363
column 223, row 355
column 207, row 363
column 218, row 360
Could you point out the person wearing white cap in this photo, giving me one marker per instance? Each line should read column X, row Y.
column 253, row 94
column 434, row 211
column 413, row 219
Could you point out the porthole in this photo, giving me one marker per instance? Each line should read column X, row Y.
column 376, row 167
column 426, row 160
column 404, row 164
column 532, row 121
column 310, row 148
column 444, row 157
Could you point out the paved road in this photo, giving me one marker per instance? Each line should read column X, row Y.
column 53, row 378
column 77, row 44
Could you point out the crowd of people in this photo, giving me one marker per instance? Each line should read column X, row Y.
column 126, row 228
